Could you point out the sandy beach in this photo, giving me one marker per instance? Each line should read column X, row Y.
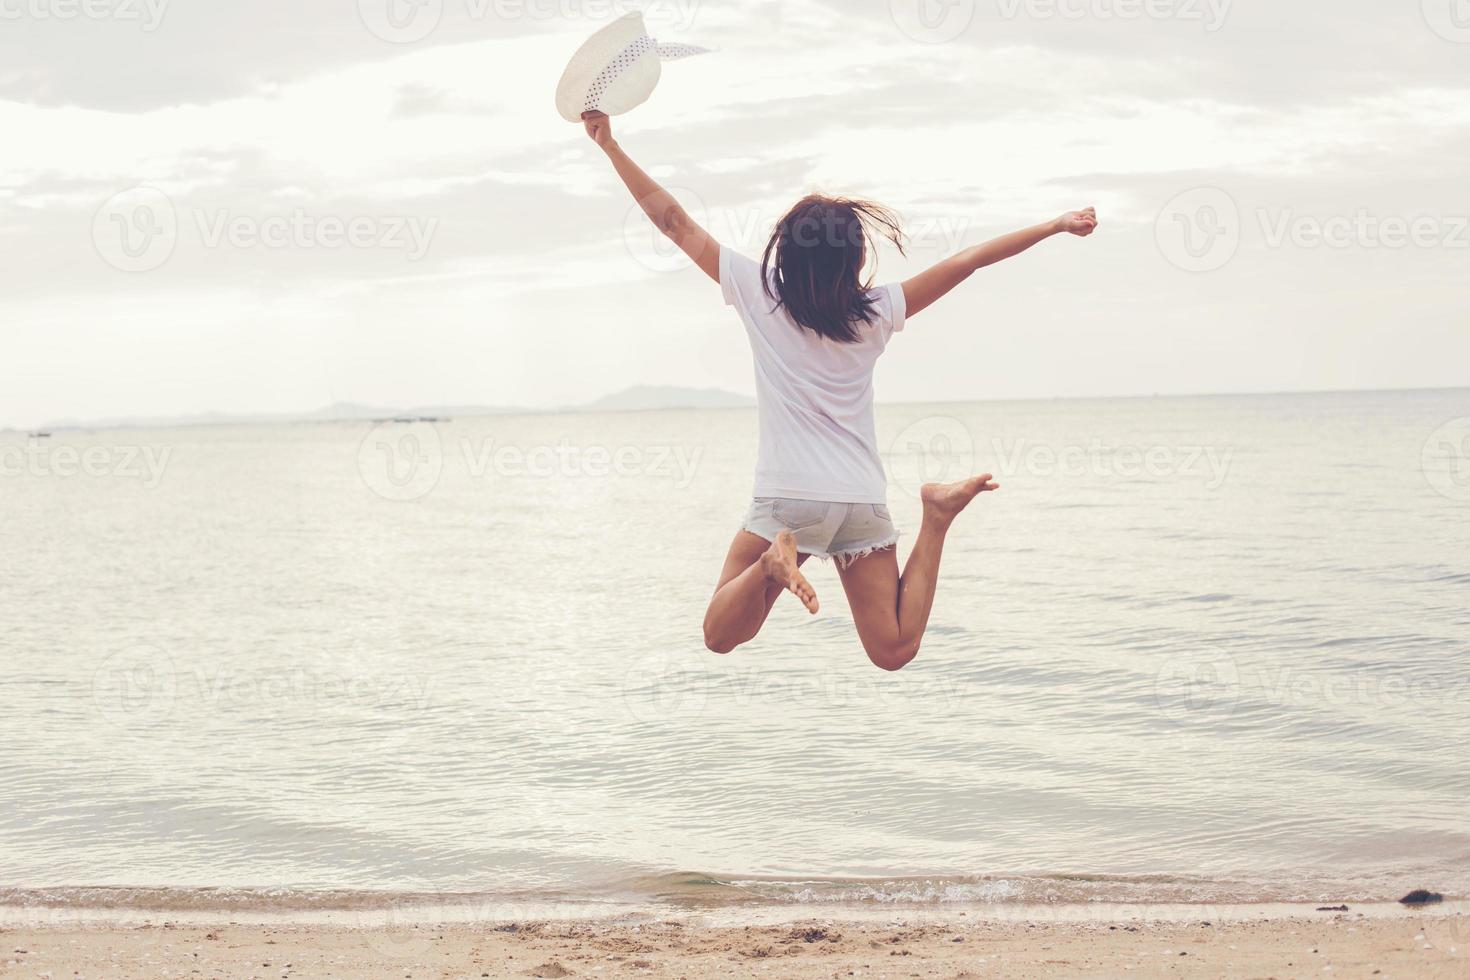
column 1384, row 945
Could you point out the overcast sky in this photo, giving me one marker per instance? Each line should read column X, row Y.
column 276, row 205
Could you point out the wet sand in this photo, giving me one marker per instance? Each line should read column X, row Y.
column 1404, row 944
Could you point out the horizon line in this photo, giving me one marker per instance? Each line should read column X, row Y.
column 486, row 411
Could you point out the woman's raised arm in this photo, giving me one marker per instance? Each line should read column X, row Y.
column 667, row 214
column 925, row 289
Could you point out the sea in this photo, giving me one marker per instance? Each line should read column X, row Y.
column 1194, row 650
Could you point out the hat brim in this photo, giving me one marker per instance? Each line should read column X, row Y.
column 630, row 89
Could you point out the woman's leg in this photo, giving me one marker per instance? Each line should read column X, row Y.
column 891, row 612
column 756, row 572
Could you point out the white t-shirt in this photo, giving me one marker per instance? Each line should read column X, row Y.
column 814, row 395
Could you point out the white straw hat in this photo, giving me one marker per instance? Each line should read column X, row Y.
column 616, row 70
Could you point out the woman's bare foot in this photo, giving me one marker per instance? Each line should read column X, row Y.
column 944, row 501
column 779, row 566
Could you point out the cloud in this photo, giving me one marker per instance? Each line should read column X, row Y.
column 259, row 123
column 415, row 100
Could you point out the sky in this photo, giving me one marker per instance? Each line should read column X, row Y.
column 276, row 206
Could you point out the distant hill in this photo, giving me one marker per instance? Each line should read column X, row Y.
column 640, row 398
column 644, row 398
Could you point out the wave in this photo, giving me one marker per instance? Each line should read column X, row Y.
column 691, row 891
column 1038, row 889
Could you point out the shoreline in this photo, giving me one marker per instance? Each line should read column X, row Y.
column 487, row 910
column 799, row 942
column 679, row 892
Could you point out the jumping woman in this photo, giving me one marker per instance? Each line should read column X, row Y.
column 816, row 328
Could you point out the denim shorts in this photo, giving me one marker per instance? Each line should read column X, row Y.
column 845, row 532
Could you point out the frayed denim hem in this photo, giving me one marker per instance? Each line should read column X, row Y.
column 844, row 559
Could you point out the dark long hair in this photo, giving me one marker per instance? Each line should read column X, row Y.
column 819, row 249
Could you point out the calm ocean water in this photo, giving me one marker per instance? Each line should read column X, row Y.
column 1194, row 650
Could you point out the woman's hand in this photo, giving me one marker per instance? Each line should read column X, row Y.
column 1080, row 223
column 599, row 127
column 934, row 283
